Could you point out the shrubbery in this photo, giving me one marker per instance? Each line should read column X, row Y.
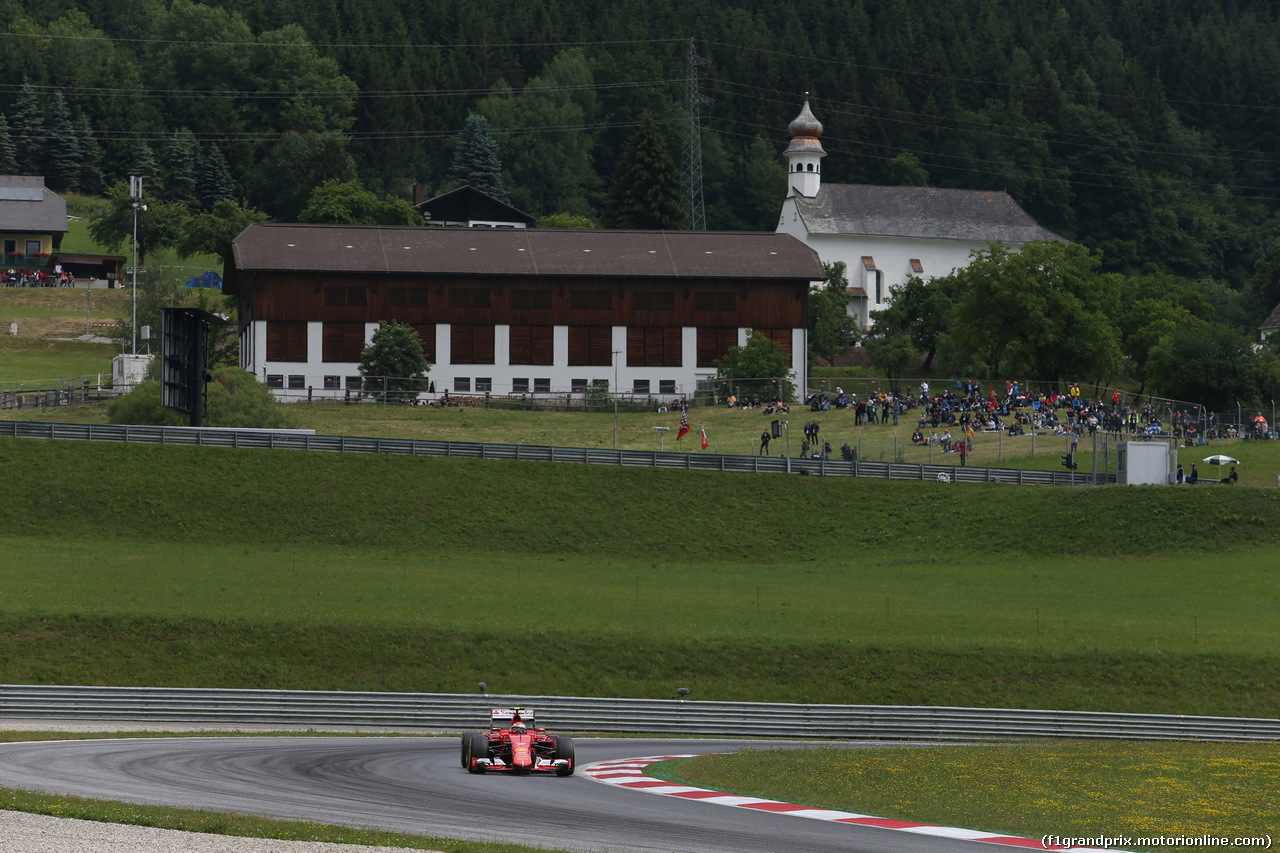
column 234, row 398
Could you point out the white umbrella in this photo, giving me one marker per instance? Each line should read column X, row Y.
column 1221, row 460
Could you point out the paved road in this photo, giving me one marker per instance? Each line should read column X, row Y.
column 416, row 785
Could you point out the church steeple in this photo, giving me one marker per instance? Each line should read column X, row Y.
column 804, row 154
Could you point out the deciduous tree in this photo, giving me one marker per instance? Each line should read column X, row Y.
column 831, row 328
column 213, row 232
column 394, row 362
column 348, row 203
column 760, row 368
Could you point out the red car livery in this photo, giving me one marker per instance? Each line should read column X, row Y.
column 515, row 744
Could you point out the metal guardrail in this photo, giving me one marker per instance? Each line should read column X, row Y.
column 458, row 712
column 285, row 440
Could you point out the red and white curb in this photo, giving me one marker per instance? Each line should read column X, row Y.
column 629, row 773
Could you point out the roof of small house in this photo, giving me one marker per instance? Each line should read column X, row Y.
column 28, row 206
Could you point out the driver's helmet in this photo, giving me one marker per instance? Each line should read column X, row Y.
column 517, row 728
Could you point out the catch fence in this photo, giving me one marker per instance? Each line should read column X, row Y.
column 303, row 440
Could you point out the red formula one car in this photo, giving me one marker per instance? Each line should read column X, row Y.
column 514, row 743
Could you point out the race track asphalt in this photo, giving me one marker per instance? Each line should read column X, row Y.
column 416, row 785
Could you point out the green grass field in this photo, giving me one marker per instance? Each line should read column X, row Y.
column 1077, row 790
column 290, row 569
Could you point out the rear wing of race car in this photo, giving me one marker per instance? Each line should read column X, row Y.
column 504, row 718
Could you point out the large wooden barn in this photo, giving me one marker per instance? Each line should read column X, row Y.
column 515, row 310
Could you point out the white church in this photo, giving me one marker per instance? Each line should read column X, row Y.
column 886, row 234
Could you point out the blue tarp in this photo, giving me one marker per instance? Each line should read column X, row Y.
column 208, row 279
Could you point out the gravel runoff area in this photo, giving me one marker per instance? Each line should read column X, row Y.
column 21, row 832
column 28, row 833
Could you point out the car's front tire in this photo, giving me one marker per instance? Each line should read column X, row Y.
column 564, row 751
column 477, row 746
column 466, row 745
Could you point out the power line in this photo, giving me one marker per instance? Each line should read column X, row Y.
column 361, row 45
column 245, row 94
column 980, row 82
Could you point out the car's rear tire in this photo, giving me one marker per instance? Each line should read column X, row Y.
column 477, row 746
column 564, row 750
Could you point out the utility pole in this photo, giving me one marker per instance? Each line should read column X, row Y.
column 135, row 195
column 691, row 160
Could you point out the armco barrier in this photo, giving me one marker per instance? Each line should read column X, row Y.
column 456, row 712
column 300, row 440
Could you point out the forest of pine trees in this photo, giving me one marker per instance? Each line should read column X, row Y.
column 1145, row 129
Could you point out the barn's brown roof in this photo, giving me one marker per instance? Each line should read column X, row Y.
column 520, row 252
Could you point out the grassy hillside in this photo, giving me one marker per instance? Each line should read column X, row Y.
column 176, row 566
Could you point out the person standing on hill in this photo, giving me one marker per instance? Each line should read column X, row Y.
column 764, row 443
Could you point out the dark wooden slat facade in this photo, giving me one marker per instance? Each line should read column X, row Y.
column 532, row 345
column 590, row 346
column 288, row 296
column 286, row 341
column 471, row 344
column 654, row 346
column 714, row 344
column 341, row 341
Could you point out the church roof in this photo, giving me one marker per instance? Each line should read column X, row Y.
column 805, row 130
column 919, row 212
column 1272, row 323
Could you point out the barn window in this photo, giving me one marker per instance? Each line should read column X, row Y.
column 343, row 296
column 470, row 297
column 526, row 299
column 591, row 300
column 655, row 300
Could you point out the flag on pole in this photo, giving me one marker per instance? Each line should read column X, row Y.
column 704, row 438
column 684, row 423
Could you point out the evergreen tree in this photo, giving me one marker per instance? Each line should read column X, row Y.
column 8, row 152
column 90, row 180
column 180, row 165
column 28, row 131
column 62, row 147
column 144, row 164
column 476, row 162
column 213, row 178
column 646, row 187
